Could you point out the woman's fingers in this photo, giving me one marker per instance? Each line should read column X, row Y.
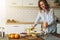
column 44, row 24
column 32, row 28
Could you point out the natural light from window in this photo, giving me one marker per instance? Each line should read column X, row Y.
column 2, row 12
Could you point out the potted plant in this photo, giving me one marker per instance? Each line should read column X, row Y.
column 56, row 2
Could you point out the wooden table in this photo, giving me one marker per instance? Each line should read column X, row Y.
column 27, row 39
column 54, row 34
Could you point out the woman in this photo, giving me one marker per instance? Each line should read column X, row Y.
column 46, row 15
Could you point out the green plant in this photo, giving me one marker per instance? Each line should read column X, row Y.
column 56, row 1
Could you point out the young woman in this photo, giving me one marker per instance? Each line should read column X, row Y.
column 46, row 15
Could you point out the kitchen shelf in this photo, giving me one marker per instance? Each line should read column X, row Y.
column 17, row 22
column 20, row 23
column 55, row 6
column 33, row 6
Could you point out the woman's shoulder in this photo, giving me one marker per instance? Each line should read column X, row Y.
column 39, row 13
column 51, row 9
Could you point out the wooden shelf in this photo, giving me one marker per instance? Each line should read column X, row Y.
column 55, row 6
column 20, row 23
column 33, row 7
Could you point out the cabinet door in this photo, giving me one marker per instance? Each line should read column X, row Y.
column 14, row 28
column 30, row 2
column 14, row 2
column 58, row 28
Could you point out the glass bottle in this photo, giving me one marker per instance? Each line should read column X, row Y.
column 3, row 33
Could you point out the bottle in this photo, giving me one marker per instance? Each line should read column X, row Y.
column 3, row 33
column 28, row 31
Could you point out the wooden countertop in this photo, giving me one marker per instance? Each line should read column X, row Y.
column 27, row 39
column 57, row 35
column 54, row 34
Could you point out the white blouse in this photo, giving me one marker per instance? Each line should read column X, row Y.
column 45, row 17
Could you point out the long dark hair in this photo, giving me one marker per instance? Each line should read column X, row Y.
column 46, row 4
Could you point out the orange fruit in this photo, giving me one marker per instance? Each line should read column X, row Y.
column 12, row 36
column 17, row 35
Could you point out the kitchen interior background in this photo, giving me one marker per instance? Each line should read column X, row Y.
column 22, row 12
column 26, row 13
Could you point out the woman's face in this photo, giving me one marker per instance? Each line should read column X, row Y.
column 42, row 5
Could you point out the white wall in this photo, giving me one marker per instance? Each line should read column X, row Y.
column 57, row 12
column 25, row 14
column 2, row 13
column 21, row 14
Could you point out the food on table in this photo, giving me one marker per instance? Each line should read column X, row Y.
column 12, row 35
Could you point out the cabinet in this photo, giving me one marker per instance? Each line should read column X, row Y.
column 14, row 2
column 14, row 28
column 22, row 2
column 53, row 4
column 58, row 28
column 30, row 2
column 18, row 28
column 50, row 2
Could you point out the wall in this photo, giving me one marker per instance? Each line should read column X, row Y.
column 57, row 12
column 2, row 13
column 25, row 14
column 22, row 14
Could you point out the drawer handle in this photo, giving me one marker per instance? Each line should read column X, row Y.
column 15, row 26
column 14, row 3
column 30, row 3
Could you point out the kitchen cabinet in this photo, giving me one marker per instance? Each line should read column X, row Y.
column 58, row 28
column 30, row 2
column 18, row 28
column 14, row 2
column 22, row 2
column 53, row 4
column 14, row 28
column 50, row 2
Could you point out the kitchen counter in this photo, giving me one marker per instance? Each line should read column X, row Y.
column 57, row 35
column 27, row 38
column 50, row 37
column 4, row 38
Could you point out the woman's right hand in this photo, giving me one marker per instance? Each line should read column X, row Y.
column 32, row 28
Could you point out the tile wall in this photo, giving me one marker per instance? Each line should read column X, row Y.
column 25, row 14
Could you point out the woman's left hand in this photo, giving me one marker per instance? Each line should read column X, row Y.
column 44, row 24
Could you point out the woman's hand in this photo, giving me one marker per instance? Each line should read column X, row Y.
column 32, row 28
column 44, row 24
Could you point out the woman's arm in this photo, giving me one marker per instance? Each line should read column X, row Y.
column 33, row 26
column 36, row 21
